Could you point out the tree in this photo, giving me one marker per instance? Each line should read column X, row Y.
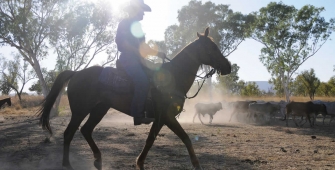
column 311, row 82
column 87, row 31
column 4, row 86
column 14, row 72
column 331, row 83
column 324, row 89
column 26, row 25
column 229, row 83
column 290, row 37
column 50, row 77
column 278, row 87
column 251, row 89
column 298, row 87
column 228, row 28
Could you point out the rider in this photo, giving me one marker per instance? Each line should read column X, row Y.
column 130, row 41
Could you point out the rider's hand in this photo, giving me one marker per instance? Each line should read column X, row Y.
column 161, row 55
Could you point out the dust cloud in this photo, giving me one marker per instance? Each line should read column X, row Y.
column 186, row 116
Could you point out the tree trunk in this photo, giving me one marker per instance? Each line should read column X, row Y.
column 39, row 74
column 285, row 86
column 55, row 110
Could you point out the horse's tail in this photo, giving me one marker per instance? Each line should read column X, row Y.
column 48, row 102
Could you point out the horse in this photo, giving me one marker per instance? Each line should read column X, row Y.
column 176, row 78
column 3, row 101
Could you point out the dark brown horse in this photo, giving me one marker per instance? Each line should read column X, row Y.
column 175, row 78
column 3, row 101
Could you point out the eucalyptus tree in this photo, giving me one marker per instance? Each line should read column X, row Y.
column 251, row 89
column 227, row 28
column 86, row 33
column 4, row 86
column 229, row 83
column 27, row 25
column 290, row 37
column 311, row 82
column 331, row 83
column 298, row 87
column 324, row 89
column 16, row 72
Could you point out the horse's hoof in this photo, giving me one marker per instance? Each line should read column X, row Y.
column 139, row 166
column 98, row 164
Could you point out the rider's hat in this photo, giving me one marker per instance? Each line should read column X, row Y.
column 138, row 4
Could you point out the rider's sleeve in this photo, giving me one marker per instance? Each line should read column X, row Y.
column 120, row 36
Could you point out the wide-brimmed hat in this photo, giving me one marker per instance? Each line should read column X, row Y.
column 139, row 4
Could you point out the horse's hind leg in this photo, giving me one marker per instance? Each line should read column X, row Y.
column 173, row 124
column 96, row 115
column 68, row 136
column 155, row 128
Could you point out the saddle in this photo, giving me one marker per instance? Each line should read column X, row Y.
column 117, row 81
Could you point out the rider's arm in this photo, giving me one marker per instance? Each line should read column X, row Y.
column 146, row 51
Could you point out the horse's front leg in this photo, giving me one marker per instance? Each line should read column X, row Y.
column 155, row 128
column 173, row 124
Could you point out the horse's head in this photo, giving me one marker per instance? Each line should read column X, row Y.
column 210, row 54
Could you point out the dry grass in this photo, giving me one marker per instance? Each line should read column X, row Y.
column 29, row 105
column 216, row 97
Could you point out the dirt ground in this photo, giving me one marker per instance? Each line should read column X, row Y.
column 222, row 145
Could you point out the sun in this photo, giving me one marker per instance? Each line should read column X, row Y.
column 116, row 5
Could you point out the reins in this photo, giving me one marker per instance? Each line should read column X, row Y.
column 208, row 75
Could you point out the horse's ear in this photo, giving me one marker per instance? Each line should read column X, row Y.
column 198, row 35
column 207, row 32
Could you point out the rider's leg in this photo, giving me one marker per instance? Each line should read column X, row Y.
column 141, row 89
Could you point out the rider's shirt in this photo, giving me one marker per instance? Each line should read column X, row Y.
column 131, row 31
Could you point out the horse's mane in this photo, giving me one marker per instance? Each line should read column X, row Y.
column 211, row 38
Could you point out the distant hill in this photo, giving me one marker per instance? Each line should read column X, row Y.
column 264, row 85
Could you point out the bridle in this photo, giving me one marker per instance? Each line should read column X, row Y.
column 208, row 75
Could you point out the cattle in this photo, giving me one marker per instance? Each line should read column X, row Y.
column 330, row 110
column 210, row 109
column 282, row 105
column 240, row 107
column 263, row 110
column 306, row 109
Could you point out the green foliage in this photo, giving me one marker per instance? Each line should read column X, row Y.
column 298, row 87
column 86, row 30
column 331, row 83
column 324, row 89
column 27, row 25
column 9, row 75
column 251, row 89
column 229, row 83
column 14, row 72
column 290, row 36
column 278, row 85
column 311, row 82
column 50, row 77
column 228, row 28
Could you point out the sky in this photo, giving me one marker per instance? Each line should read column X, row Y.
column 247, row 54
column 164, row 13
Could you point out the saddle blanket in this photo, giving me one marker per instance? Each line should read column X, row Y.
column 112, row 80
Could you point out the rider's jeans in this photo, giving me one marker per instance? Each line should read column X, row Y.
column 134, row 69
